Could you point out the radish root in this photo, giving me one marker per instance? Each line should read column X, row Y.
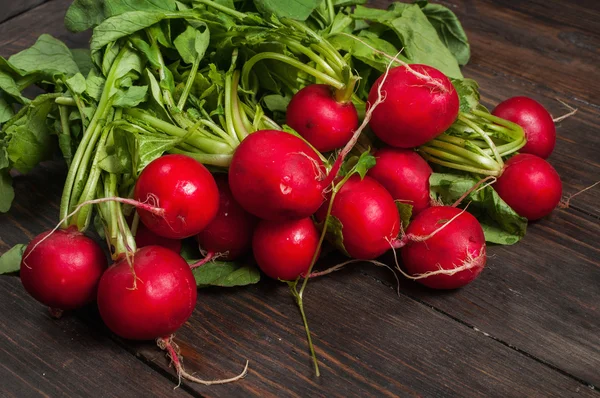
column 167, row 344
column 469, row 263
column 563, row 117
column 566, row 202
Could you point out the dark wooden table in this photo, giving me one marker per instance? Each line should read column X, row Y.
column 529, row 326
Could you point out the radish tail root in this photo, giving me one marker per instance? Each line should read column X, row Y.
column 572, row 112
column 469, row 263
column 207, row 259
column 167, row 344
column 566, row 202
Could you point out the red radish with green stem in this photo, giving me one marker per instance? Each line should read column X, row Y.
column 445, row 248
column 367, row 215
column 536, row 121
column 277, row 176
column 284, row 250
column 184, row 189
column 420, row 104
column 229, row 234
column 148, row 294
column 61, row 269
column 405, row 175
column 529, row 185
column 322, row 116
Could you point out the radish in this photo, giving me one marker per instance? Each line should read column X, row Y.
column 420, row 104
column 62, row 268
column 405, row 175
column 144, row 237
column 445, row 248
column 368, row 215
column 317, row 115
column 537, row 123
column 148, row 295
column 184, row 189
column 529, row 185
column 277, row 176
column 284, row 250
column 229, row 234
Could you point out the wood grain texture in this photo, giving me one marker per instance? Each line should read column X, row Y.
column 42, row 356
column 528, row 327
column 10, row 8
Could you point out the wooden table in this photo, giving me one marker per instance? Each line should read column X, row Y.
column 529, row 326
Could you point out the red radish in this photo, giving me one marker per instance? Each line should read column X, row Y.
column 315, row 113
column 453, row 256
column 284, row 250
column 230, row 232
column 155, row 302
column 420, row 104
column 144, row 237
column 529, row 185
column 405, row 175
column 277, row 176
column 186, row 191
column 369, row 217
column 537, row 123
column 61, row 269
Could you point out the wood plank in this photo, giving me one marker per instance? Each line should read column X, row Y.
column 42, row 356
column 23, row 30
column 370, row 343
column 10, row 8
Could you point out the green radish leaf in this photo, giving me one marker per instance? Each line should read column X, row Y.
column 449, row 30
column 361, row 48
column 76, row 83
column 6, row 110
column 334, row 235
column 114, row 156
column 295, row 9
column 7, row 193
column 405, row 210
column 11, row 260
column 364, row 163
column 125, row 24
column 225, row 274
column 468, row 93
column 151, row 147
column 29, row 140
column 83, row 59
column 94, row 85
column 500, row 223
column 85, row 14
column 276, row 102
column 131, row 97
column 192, row 43
column 8, row 84
column 48, row 55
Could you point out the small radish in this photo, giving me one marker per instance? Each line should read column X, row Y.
column 368, row 215
column 144, row 237
column 537, row 123
column 529, row 185
column 277, row 176
column 186, row 191
column 229, row 234
column 61, row 269
column 448, row 257
column 284, row 250
column 149, row 298
column 316, row 114
column 405, row 175
column 420, row 104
